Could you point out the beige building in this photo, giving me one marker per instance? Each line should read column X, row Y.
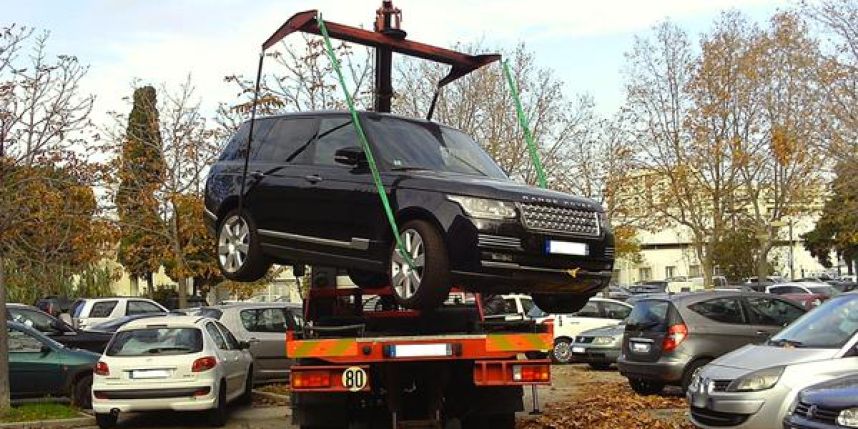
column 669, row 253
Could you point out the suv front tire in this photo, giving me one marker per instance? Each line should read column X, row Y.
column 239, row 255
column 427, row 284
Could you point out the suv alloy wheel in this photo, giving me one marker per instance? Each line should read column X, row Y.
column 238, row 252
column 426, row 284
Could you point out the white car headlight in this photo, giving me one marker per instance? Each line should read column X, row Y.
column 485, row 209
column 759, row 380
column 602, row 341
column 848, row 418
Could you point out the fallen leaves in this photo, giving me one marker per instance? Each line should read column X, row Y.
column 611, row 405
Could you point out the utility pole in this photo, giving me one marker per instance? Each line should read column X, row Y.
column 791, row 250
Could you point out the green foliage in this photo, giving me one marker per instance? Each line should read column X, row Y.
column 837, row 228
column 141, row 171
column 737, row 253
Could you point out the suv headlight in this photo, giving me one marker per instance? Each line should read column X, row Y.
column 848, row 418
column 758, row 380
column 485, row 209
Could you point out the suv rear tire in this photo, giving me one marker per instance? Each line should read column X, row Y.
column 646, row 387
column 106, row 420
column 560, row 303
column 429, row 284
column 239, row 254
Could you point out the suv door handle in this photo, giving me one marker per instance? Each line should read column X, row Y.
column 313, row 178
column 257, row 174
column 763, row 333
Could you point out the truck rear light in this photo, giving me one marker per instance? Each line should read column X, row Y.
column 311, row 379
column 102, row 369
column 204, row 364
column 531, row 373
column 676, row 334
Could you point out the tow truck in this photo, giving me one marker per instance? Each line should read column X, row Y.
column 379, row 366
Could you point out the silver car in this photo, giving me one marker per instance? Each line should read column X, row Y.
column 264, row 326
column 755, row 387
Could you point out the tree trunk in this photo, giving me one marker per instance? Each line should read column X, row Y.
column 763, row 261
column 150, row 285
column 180, row 259
column 4, row 347
column 704, row 255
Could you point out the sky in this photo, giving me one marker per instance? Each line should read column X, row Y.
column 160, row 41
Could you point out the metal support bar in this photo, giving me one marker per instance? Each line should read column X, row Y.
column 250, row 132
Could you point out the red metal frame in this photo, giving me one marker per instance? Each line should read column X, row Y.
column 461, row 63
column 500, row 372
column 335, row 373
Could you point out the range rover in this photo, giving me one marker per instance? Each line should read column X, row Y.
column 309, row 198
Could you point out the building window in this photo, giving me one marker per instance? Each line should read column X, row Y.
column 669, row 272
column 645, row 273
column 694, row 271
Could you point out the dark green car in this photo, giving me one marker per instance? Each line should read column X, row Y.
column 41, row 367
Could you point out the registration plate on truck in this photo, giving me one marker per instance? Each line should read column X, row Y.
column 566, row 248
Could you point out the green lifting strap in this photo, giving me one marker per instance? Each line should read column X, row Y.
column 522, row 120
column 376, row 177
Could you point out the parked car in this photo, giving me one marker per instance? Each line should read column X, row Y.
column 648, row 287
column 760, row 285
column 843, row 286
column 618, row 292
column 829, row 405
column 193, row 301
column 263, row 326
column 40, row 367
column 508, row 307
column 54, row 305
column 180, row 363
column 461, row 218
column 113, row 325
column 599, row 347
column 597, row 313
column 755, row 386
column 56, row 329
column 668, row 338
column 808, row 294
column 90, row 311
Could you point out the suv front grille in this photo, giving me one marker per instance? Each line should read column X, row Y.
column 560, row 220
column 816, row 413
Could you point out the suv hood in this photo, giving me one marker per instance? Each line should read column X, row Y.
column 755, row 357
column 487, row 187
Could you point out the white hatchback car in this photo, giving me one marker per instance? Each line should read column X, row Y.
column 597, row 313
column 182, row 363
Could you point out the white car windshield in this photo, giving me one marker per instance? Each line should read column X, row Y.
column 155, row 341
column 829, row 326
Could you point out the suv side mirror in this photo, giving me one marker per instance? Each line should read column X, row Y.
column 44, row 350
column 59, row 326
column 243, row 345
column 352, row 155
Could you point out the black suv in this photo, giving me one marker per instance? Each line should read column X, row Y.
column 310, row 199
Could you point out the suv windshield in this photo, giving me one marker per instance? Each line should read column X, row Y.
column 405, row 144
column 146, row 342
column 829, row 326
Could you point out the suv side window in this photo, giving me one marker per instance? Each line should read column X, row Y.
column 334, row 133
column 235, row 146
column 216, row 336
column 616, row 311
column 590, row 310
column 286, row 140
column 724, row 310
column 142, row 307
column 773, row 312
column 102, row 309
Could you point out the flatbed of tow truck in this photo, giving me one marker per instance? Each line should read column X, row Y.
column 449, row 368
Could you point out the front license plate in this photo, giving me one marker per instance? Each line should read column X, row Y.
column 141, row 374
column 578, row 350
column 640, row 347
column 566, row 248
